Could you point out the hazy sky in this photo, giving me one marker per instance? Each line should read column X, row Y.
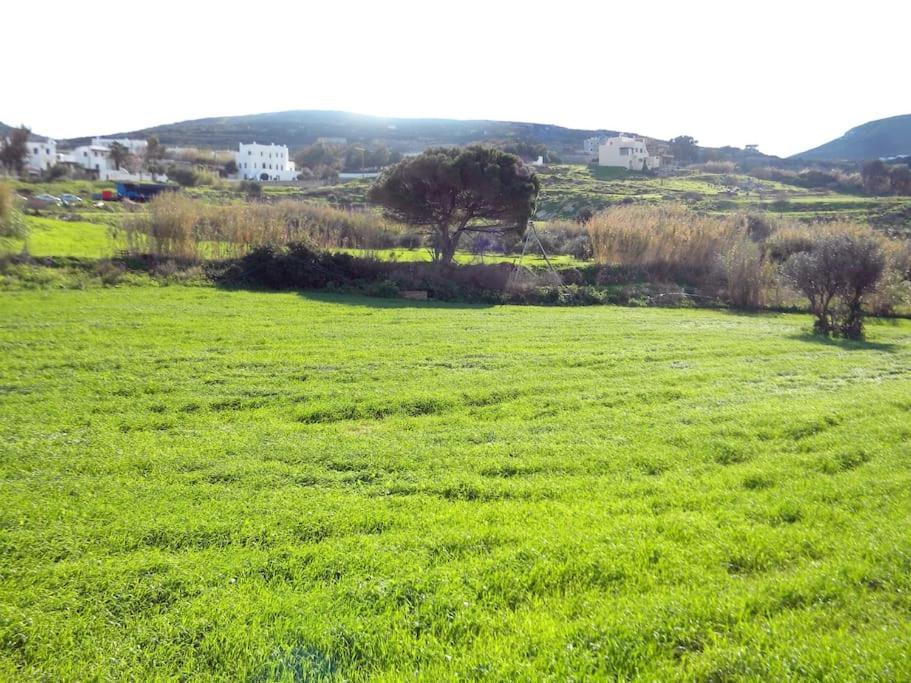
column 785, row 75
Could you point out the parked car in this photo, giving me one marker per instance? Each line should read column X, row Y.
column 49, row 198
column 68, row 199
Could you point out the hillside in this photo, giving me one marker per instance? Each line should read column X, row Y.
column 303, row 127
column 889, row 137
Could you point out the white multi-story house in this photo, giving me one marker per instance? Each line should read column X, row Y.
column 42, row 154
column 93, row 158
column 627, row 152
column 264, row 162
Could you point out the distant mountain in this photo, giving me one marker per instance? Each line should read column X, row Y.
column 303, row 127
column 5, row 129
column 874, row 140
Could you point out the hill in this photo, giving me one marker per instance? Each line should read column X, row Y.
column 884, row 138
column 6, row 128
column 302, row 127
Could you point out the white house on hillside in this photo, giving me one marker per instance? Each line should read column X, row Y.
column 97, row 160
column 42, row 154
column 626, row 152
column 264, row 162
column 92, row 158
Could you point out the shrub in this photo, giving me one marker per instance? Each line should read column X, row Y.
column 185, row 177
column 251, row 188
column 835, row 274
column 566, row 237
column 716, row 167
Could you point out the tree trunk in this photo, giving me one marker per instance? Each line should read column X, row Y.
column 446, row 245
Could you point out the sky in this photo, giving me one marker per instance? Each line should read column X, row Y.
column 787, row 76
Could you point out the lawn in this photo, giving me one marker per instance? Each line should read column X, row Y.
column 237, row 485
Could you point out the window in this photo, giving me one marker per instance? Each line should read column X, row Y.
column 624, row 151
column 36, row 150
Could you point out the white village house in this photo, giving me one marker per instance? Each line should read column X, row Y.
column 627, row 152
column 42, row 154
column 96, row 158
column 264, row 162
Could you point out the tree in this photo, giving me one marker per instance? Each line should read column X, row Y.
column 900, row 180
column 154, row 150
column 876, row 178
column 119, row 154
column 320, row 154
column 864, row 265
column 684, row 148
column 14, row 150
column 445, row 192
column 834, row 274
column 154, row 154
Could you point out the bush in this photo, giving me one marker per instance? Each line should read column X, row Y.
column 835, row 274
column 185, row 177
column 566, row 237
column 251, row 188
column 726, row 167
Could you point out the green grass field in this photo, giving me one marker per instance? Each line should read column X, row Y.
column 206, row 484
column 48, row 236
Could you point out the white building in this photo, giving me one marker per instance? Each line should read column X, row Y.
column 97, row 160
column 42, row 154
column 92, row 158
column 137, row 147
column 626, row 152
column 264, row 162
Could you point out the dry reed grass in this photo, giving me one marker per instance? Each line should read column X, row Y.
column 177, row 226
column 736, row 257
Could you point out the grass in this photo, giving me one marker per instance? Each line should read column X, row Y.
column 50, row 236
column 233, row 485
column 533, row 258
column 54, row 237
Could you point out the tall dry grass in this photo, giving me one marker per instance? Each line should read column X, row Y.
column 667, row 240
column 6, row 205
column 176, row 225
column 11, row 224
column 734, row 257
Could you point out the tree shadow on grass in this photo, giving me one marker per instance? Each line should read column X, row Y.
column 354, row 298
column 845, row 344
column 386, row 302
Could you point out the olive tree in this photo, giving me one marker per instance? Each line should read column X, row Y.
column 14, row 149
column 449, row 192
column 834, row 274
